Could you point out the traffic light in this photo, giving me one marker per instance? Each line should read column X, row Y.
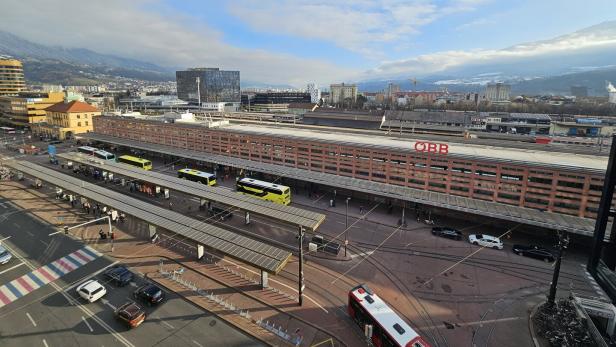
column 66, row 230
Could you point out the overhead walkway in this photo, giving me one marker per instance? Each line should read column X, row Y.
column 550, row 220
column 262, row 256
column 287, row 214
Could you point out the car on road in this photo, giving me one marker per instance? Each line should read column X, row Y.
column 534, row 251
column 447, row 232
column 150, row 294
column 221, row 213
column 485, row 241
column 119, row 275
column 5, row 255
column 131, row 314
column 91, row 290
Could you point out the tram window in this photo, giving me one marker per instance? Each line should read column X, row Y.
column 369, row 299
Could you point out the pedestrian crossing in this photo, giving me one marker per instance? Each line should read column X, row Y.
column 40, row 277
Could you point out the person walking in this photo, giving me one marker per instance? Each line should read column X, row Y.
column 361, row 209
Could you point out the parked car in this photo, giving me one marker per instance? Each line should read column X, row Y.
column 150, row 294
column 131, row 314
column 91, row 290
column 5, row 255
column 447, row 232
column 485, row 241
column 326, row 245
column 534, row 251
column 221, row 213
column 119, row 275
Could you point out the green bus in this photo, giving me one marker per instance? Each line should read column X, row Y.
column 138, row 162
column 197, row 176
column 265, row 190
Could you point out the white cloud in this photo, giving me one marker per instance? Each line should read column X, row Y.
column 598, row 37
column 132, row 29
column 359, row 26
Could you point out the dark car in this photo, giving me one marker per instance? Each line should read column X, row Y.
column 131, row 314
column 534, row 251
column 221, row 213
column 119, row 275
column 449, row 233
column 150, row 294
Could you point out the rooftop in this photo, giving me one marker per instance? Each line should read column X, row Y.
column 73, row 106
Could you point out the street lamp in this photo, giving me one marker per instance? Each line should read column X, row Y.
column 563, row 241
column 346, row 226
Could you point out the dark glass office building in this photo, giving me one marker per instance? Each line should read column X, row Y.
column 215, row 85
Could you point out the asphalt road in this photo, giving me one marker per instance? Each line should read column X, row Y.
column 54, row 315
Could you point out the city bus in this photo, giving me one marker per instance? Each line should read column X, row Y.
column 87, row 150
column 265, row 190
column 138, row 162
column 104, row 154
column 379, row 322
column 197, row 176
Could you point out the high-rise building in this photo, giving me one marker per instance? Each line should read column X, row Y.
column 208, row 85
column 315, row 93
column 498, row 92
column 391, row 91
column 339, row 93
column 579, row 91
column 11, row 76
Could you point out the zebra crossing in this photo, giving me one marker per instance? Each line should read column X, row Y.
column 38, row 278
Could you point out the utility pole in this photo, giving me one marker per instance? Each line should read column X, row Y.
column 301, row 266
column 346, row 227
column 563, row 241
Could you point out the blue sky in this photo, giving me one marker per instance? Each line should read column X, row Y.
column 299, row 41
column 476, row 24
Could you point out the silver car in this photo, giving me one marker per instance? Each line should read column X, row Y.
column 5, row 256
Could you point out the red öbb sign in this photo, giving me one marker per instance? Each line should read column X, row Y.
column 431, row 147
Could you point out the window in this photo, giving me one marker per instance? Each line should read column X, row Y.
column 571, row 184
column 78, row 116
column 78, row 124
column 86, row 123
column 399, row 329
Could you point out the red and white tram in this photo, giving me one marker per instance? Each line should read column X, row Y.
column 384, row 327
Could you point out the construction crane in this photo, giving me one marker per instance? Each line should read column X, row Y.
column 414, row 81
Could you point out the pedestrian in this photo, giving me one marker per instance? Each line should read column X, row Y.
column 170, row 205
column 102, row 235
column 361, row 209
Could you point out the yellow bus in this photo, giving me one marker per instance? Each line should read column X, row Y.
column 138, row 162
column 265, row 190
column 197, row 176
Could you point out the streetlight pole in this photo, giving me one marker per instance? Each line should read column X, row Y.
column 563, row 241
column 346, row 226
column 301, row 266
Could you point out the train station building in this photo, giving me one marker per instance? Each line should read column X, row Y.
column 540, row 180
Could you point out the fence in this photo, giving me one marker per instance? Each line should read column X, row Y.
column 176, row 276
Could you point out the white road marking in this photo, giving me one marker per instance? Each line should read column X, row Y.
column 197, row 343
column 4, row 239
column 2, row 205
column 282, row 284
column 16, row 226
column 29, row 233
column 74, row 302
column 88, row 324
column 362, row 254
column 132, row 284
column 107, row 303
column 45, row 243
column 11, row 268
column 167, row 324
column 30, row 318
column 45, row 343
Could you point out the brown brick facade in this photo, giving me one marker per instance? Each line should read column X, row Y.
column 556, row 190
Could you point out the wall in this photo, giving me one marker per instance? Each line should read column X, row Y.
column 555, row 190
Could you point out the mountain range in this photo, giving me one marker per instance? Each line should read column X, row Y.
column 546, row 74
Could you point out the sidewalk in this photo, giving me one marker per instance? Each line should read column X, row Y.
column 269, row 315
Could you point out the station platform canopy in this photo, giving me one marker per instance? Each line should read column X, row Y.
column 249, row 251
column 528, row 216
column 288, row 214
